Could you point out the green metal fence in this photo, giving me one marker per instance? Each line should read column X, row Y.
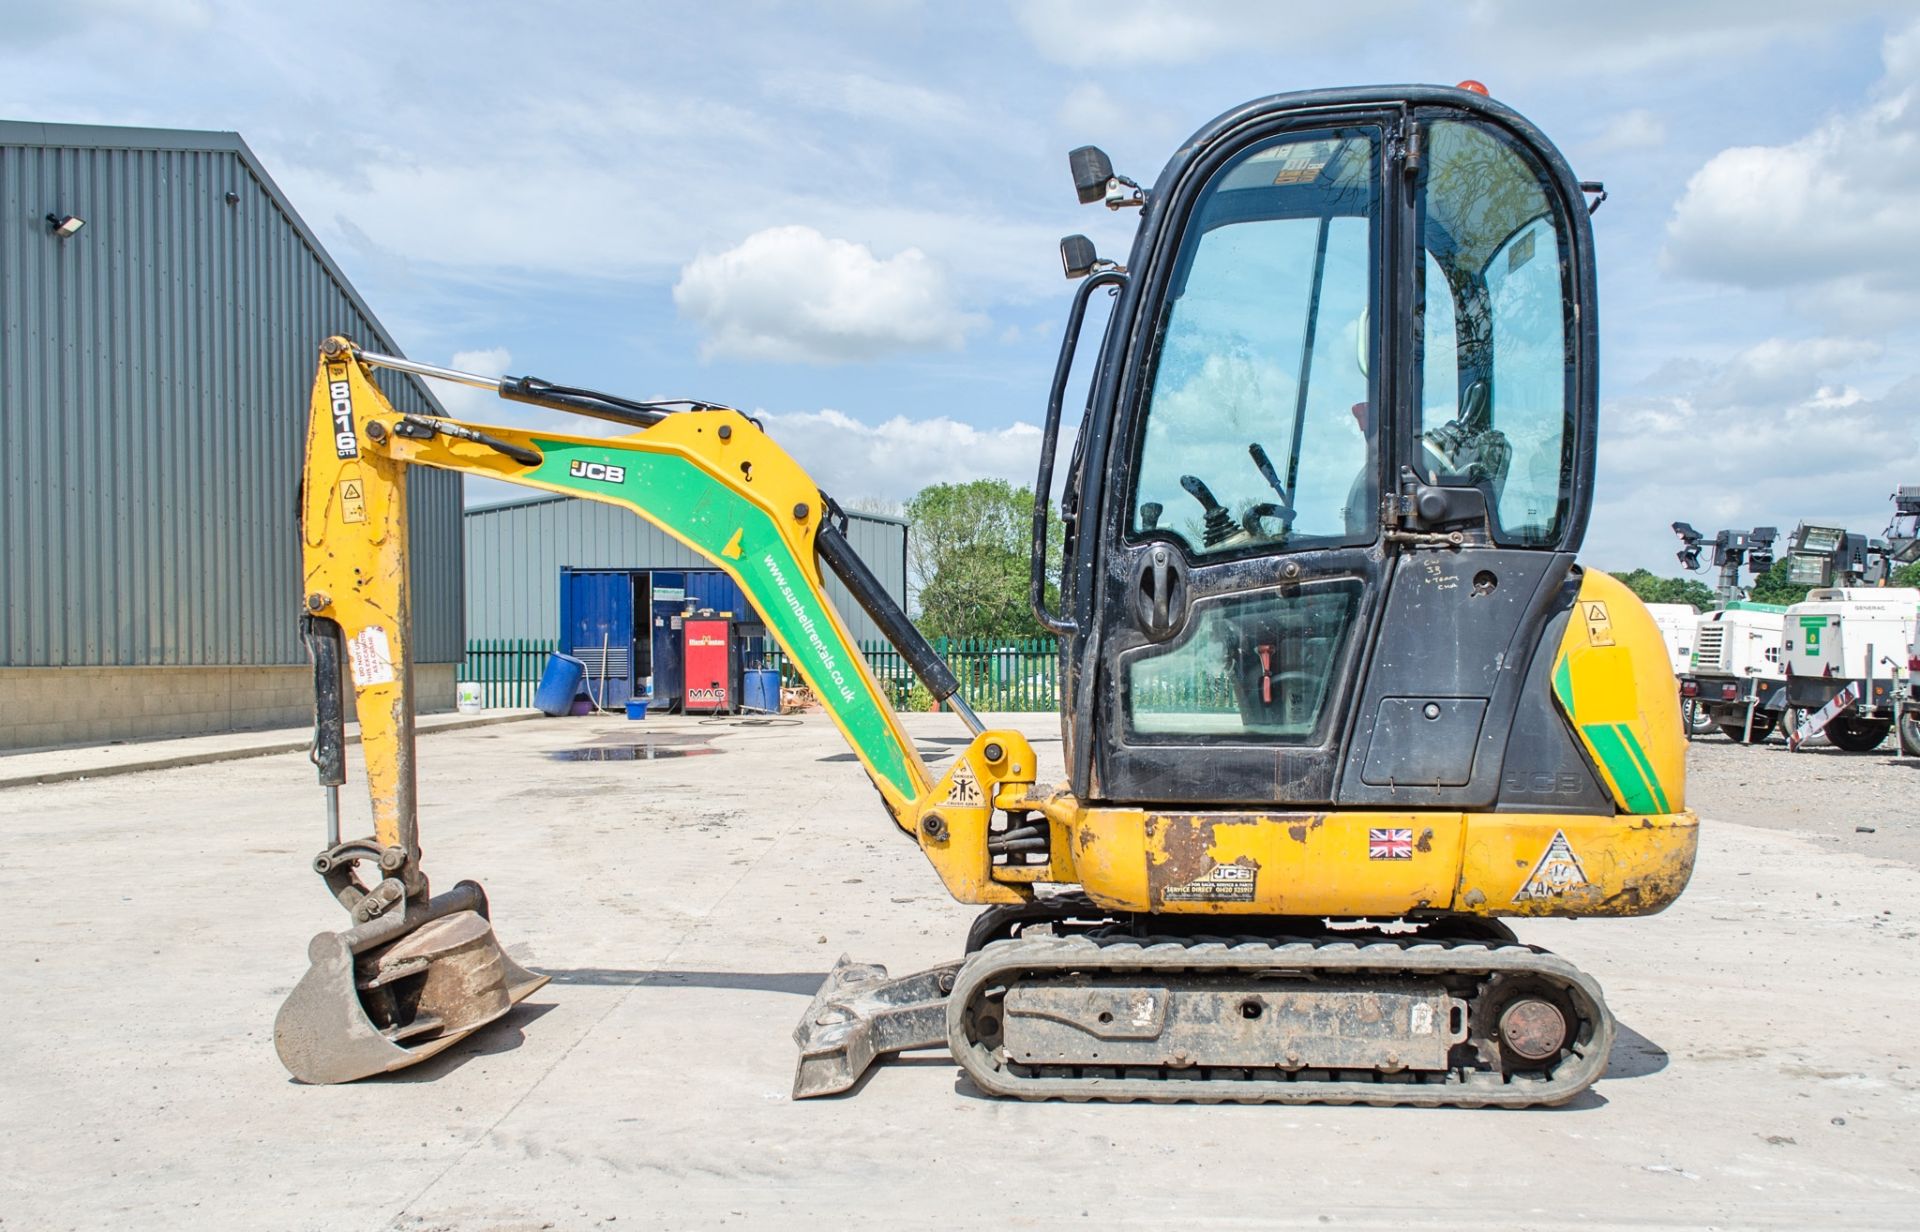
column 506, row 669
column 994, row 673
column 1017, row 674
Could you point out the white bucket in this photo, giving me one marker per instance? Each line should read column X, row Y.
column 468, row 697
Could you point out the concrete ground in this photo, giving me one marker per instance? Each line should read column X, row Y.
column 688, row 905
column 103, row 759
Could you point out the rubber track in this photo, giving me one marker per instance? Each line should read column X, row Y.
column 1004, row 963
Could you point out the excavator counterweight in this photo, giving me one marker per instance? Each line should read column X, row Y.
column 1336, row 695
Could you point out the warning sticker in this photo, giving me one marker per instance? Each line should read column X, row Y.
column 370, row 656
column 353, row 501
column 965, row 791
column 1599, row 624
column 1520, row 252
column 1557, row 872
column 1224, row 883
column 1300, row 162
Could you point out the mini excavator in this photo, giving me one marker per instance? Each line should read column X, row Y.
column 1336, row 696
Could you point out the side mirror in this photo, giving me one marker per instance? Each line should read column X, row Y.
column 1077, row 256
column 1091, row 171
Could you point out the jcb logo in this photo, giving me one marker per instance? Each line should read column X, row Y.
column 600, row 471
column 1541, row 783
column 345, row 444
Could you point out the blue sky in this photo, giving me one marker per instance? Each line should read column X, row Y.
column 844, row 216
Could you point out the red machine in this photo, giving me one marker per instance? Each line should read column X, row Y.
column 709, row 664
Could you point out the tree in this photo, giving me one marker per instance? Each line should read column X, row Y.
column 1773, row 586
column 968, row 548
column 1655, row 589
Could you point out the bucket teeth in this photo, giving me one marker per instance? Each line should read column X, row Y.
column 352, row 1016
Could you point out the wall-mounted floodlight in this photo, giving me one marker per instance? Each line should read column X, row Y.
column 65, row 225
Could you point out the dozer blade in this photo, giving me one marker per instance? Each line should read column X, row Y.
column 392, row 992
column 859, row 1015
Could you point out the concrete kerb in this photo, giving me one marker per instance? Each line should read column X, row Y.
column 103, row 761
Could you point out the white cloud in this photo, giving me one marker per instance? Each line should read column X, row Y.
column 1100, row 32
column 1773, row 435
column 1831, row 212
column 1523, row 38
column 467, row 402
column 1638, row 129
column 891, row 461
column 791, row 293
column 870, row 98
column 1090, row 109
column 1782, row 371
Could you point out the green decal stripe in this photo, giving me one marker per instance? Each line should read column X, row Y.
column 1563, row 682
column 697, row 507
column 1604, row 739
column 1640, row 759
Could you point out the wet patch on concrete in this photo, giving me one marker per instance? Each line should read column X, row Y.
column 660, row 747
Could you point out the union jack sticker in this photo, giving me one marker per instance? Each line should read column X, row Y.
column 1389, row 844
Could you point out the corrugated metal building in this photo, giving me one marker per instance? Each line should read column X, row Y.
column 155, row 366
column 516, row 549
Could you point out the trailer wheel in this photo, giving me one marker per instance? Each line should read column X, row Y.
column 1910, row 733
column 1856, row 735
column 1694, row 717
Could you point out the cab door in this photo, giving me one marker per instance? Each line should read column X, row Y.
column 1241, row 529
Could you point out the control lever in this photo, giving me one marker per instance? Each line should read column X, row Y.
column 1218, row 527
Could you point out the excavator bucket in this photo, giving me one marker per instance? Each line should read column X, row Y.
column 390, row 993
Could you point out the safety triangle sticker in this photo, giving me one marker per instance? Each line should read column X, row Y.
column 1557, row 872
column 965, row 791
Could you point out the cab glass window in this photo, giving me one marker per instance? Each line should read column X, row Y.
column 1251, row 667
column 1258, row 432
column 1495, row 365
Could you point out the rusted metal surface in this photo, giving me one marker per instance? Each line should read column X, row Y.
column 1533, row 1028
column 1185, row 1021
column 396, row 990
column 860, row 1015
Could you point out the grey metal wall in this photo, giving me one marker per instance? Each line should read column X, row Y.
column 515, row 552
column 154, row 376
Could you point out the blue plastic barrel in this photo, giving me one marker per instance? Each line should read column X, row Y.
column 760, row 690
column 559, row 684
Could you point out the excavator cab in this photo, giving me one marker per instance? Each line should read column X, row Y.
column 1335, row 462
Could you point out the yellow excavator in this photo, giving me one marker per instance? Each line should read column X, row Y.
column 1335, row 695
